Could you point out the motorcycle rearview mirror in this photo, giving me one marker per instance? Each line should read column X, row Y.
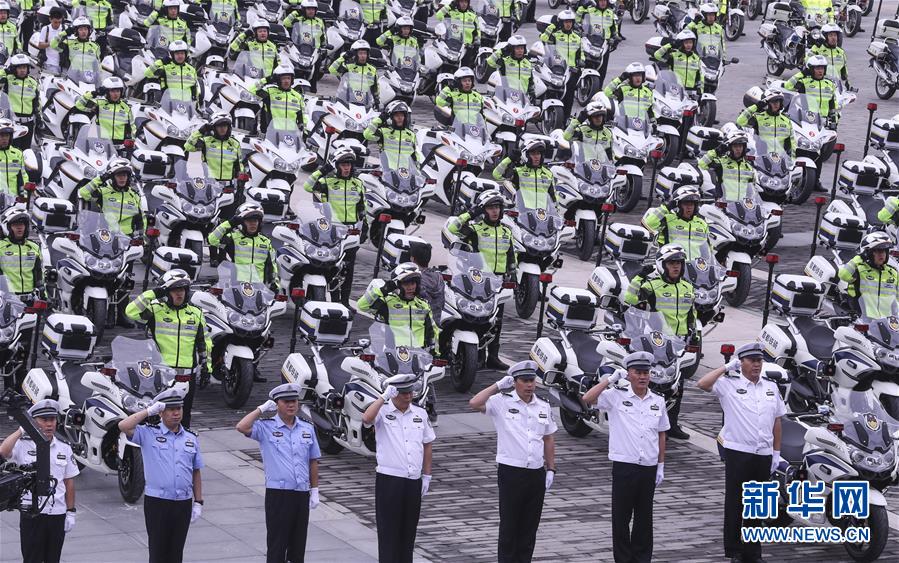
column 364, row 342
column 824, row 410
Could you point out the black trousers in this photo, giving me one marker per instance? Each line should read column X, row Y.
column 167, row 524
column 521, row 493
column 41, row 537
column 633, row 488
column 493, row 347
column 286, row 521
column 674, row 413
column 397, row 508
column 189, row 399
column 740, row 467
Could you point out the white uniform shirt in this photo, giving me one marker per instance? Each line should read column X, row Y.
column 749, row 413
column 634, row 424
column 48, row 34
column 62, row 466
column 401, row 437
column 520, row 428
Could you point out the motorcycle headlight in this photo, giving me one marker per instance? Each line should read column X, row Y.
column 887, row 356
column 807, row 144
column 872, row 461
column 7, row 333
column 467, row 156
column 132, row 404
column 352, row 125
column 771, row 182
column 507, row 119
column 631, row 152
column 556, row 80
column 172, row 131
column 284, row 166
column 592, row 190
column 90, row 261
column 90, row 172
column 245, row 96
column 668, row 112
column 234, row 317
column 661, row 376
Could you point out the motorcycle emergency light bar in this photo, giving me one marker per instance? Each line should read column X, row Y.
column 511, row 213
column 608, row 208
column 872, row 106
column 772, row 258
column 777, row 212
column 330, row 130
column 750, row 157
column 861, row 327
column 461, row 162
column 800, row 163
column 108, row 372
column 839, row 147
column 510, row 285
column 733, row 274
column 623, row 340
column 367, row 357
column 73, row 236
column 153, row 233
column 835, row 427
column 215, row 290
column 655, row 154
column 37, row 307
column 385, row 218
column 297, row 293
column 293, row 226
column 688, row 113
column 546, row 278
column 354, row 231
column 727, row 349
column 570, row 222
column 894, row 253
column 621, row 172
column 447, row 277
column 128, row 143
column 439, row 363
column 519, row 123
column 171, row 185
column 137, row 242
column 185, row 378
column 281, row 298
column 30, row 186
column 820, row 200
column 243, row 177
column 431, row 181
column 227, row 190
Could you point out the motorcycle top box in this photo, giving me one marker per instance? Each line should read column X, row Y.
column 797, row 295
column 701, row 140
column 68, row 337
column 885, row 134
column 841, row 231
column 628, row 242
column 863, row 177
column 779, row 11
column 166, row 258
column 887, row 29
column 323, row 322
column 572, row 308
column 670, row 178
column 52, row 215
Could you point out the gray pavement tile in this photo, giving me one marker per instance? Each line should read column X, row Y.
column 225, row 516
column 214, row 551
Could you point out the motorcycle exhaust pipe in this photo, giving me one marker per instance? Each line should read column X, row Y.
column 819, row 204
column 838, row 148
column 872, row 107
column 772, row 260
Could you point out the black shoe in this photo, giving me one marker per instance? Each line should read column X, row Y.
column 258, row 378
column 494, row 362
column 125, row 322
column 677, row 433
column 737, row 559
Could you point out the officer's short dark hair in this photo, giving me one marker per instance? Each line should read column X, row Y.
column 56, row 13
column 420, row 253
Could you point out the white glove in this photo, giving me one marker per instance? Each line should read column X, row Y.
column 313, row 498
column 660, row 473
column 155, row 408
column 70, row 522
column 775, row 460
column 389, row 393
column 507, row 382
column 616, row 376
column 733, row 365
column 196, row 512
column 550, row 475
column 425, row 485
column 268, row 406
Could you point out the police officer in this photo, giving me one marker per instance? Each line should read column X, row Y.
column 244, row 244
column 9, row 34
column 41, row 535
column 282, row 104
column 629, row 89
column 462, row 100
column 525, row 457
column 174, row 27
column 176, row 75
column 346, row 195
column 220, row 149
column 306, row 16
column 637, row 425
column 462, row 25
column 363, row 75
column 672, row 295
column 820, row 91
column 404, row 440
column 591, row 130
column 533, row 179
column 681, row 58
column 873, row 283
column 20, row 258
column 397, row 140
column 493, row 241
column 402, row 37
column 677, row 222
column 12, row 161
column 99, row 12
column 264, row 51
column 22, row 90
column 514, row 66
column 118, row 197
column 751, row 436
column 432, row 285
column 768, row 121
column 561, row 33
column 373, row 17
column 178, row 328
column 397, row 302
column 173, row 492
column 735, row 177
column 80, row 47
column 830, row 49
column 509, row 12
column 114, row 115
column 709, row 33
column 290, row 455
column 601, row 13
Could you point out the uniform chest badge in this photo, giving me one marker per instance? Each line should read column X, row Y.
column 277, row 433
column 161, row 439
column 417, row 420
column 307, row 435
column 513, row 411
column 741, row 391
column 627, row 403
column 189, row 444
column 390, row 417
column 653, row 407
column 60, row 456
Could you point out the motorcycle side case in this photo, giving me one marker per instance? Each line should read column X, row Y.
column 841, row 231
column 878, row 49
column 166, row 258
column 323, row 322
column 885, row 134
column 550, row 358
column 863, row 177
column 670, row 178
column 572, row 308
column 767, row 30
column 628, row 242
column 778, row 11
column 798, row 296
column 653, row 44
column 37, row 386
column 605, row 281
column 150, row 165
column 777, row 341
column 820, row 269
column 274, row 202
column 887, row 29
column 700, row 140
column 68, row 337
column 396, row 249
column 52, row 215
column 296, row 369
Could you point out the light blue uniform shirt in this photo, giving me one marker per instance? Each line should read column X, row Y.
column 286, row 452
column 170, row 459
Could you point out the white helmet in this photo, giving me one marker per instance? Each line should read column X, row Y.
column 398, row 106
column 407, row 271
column 173, row 279
column 708, row 9
column 171, row 4
column 635, row 68
column 260, row 23
column 463, row 72
column 490, row 197
column 815, row 60
column 343, row 154
column 736, row 137
column 517, row 41
column 7, row 126
column 684, row 35
column 404, row 21
column 685, row 193
column 249, row 210
column 566, row 15
column 830, row 28
column 113, row 83
column 875, row 241
column 4, row 6
column 283, row 69
column 119, row 165
column 360, row 44
column 19, row 59
column 178, row 45
column 80, row 21
column 309, row 4
column 218, row 118
column 669, row 253
column 532, row 145
column 596, row 108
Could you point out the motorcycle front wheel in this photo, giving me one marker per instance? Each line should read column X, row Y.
column 626, row 199
column 672, row 149
column 853, row 23
column 552, row 119
column 586, row 239
column 774, row 68
column 708, row 110
column 734, row 28
column 238, row 383
column 131, row 475
column 526, row 295
column 553, row 4
column 744, row 280
column 465, row 366
column 754, row 9
column 97, row 310
column 883, row 89
column 867, row 6
column 878, row 524
column 639, row 10
column 805, row 188
column 481, row 70
column 327, row 443
column 573, row 424
column 586, row 89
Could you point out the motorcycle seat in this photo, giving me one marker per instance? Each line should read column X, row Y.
column 871, row 205
column 631, row 268
column 332, row 358
column 792, row 441
column 818, row 337
column 78, row 393
column 584, row 346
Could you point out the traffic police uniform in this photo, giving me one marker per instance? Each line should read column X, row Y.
column 536, row 183
column 635, row 424
column 41, row 536
column 519, row 73
column 466, row 106
column 669, row 227
column 687, row 66
column 400, row 438
column 222, row 156
column 253, row 255
column 411, row 322
column 875, row 289
column 170, row 460
column 750, row 410
column 20, row 262
column 121, row 207
column 286, row 454
column 115, row 119
column 736, row 177
column 521, row 475
column 179, row 80
column 396, row 143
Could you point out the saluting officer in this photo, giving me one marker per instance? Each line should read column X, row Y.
column 404, row 436
column 638, row 421
column 290, row 455
column 173, row 493
column 752, row 409
column 525, row 456
column 41, row 535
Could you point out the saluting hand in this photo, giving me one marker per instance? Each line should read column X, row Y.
column 733, row 365
column 507, row 382
column 389, row 393
column 268, row 406
column 155, row 408
column 617, row 376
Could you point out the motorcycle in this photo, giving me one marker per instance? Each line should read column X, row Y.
column 596, row 51
column 303, row 51
column 15, row 320
column 344, row 31
column 126, row 55
column 884, row 53
column 506, row 114
column 166, row 127
column 229, row 92
column 491, row 27
column 212, row 41
column 632, row 145
column 671, row 16
column 784, row 38
column 712, row 66
column 401, row 81
column 276, row 161
column 341, row 119
column 552, row 71
column 674, row 111
column 442, row 57
column 396, row 190
column 238, row 310
column 778, row 178
column 711, row 282
column 58, row 95
column 735, row 20
column 813, row 132
column 848, row 16
column 69, row 166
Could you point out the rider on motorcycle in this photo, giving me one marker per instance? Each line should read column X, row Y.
column 81, row 42
column 118, row 196
column 873, row 283
column 176, row 75
column 677, row 222
column 463, row 24
column 464, row 102
column 374, row 13
column 591, row 128
column 533, row 178
column 735, row 176
column 681, row 58
column 20, row 258
column 709, row 33
column 768, row 121
column 241, row 241
column 173, row 25
column 630, row 90
column 397, row 140
column 282, row 105
column 358, row 65
column 402, row 36
column 221, row 151
column 568, row 46
column 818, row 89
column 397, row 302
column 99, row 11
column 9, row 33
column 264, row 50
column 514, row 66
column 830, row 49
column 12, row 161
column 223, row 9
column 602, row 11
column 22, row 90
column 114, row 116
column 307, row 16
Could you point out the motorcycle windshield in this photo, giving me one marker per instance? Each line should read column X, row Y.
column 667, row 85
column 243, row 290
column 866, row 424
column 139, row 366
column 323, row 231
column 305, row 37
column 805, row 110
column 471, row 277
column 355, row 89
column 471, row 130
column 593, row 29
column 404, row 59
column 649, row 332
column 11, row 307
column 158, row 40
column 771, row 160
column 249, row 65
column 181, row 109
column 709, row 51
column 288, row 139
column 403, row 176
column 98, row 237
column 97, row 151
column 592, row 163
column 884, row 331
column 197, row 189
column 5, row 109
column 83, row 68
column 747, row 210
column 221, row 16
column 638, row 123
column 702, row 268
column 544, row 221
column 552, row 60
column 395, row 354
column 143, row 7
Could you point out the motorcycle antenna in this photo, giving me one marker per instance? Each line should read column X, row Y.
column 772, row 260
column 545, row 280
column 606, row 210
column 819, row 204
column 872, row 107
column 838, row 149
column 877, row 18
column 296, row 294
column 39, row 308
column 384, row 219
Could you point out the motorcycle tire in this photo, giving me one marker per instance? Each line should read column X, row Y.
column 552, row 119
column 774, row 236
column 853, row 23
column 573, row 424
column 639, row 10
column 97, row 311
column 626, row 200
column 734, row 28
column 707, row 113
column 586, row 89
column 753, row 9
column 327, row 443
column 672, row 149
column 526, row 295
column 586, row 239
column 131, row 475
column 744, row 281
column 553, row 4
column 774, row 68
column 465, row 367
column 868, row 8
column 878, row 523
column 238, row 383
column 806, row 188
column 196, row 247
column 481, row 70
column 883, row 89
